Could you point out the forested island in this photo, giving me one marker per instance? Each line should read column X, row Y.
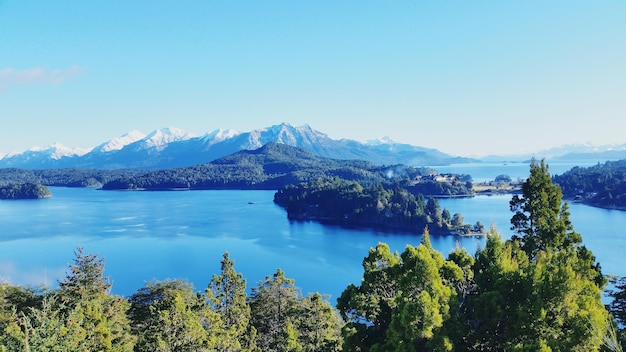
column 347, row 203
column 602, row 185
column 24, row 191
column 538, row 291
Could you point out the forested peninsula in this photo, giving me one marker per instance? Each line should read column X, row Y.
column 601, row 185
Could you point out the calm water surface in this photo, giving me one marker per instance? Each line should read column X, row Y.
column 145, row 236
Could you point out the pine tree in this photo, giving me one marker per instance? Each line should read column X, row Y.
column 226, row 298
column 274, row 304
column 86, row 279
column 540, row 218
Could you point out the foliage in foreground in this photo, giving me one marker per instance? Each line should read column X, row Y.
column 81, row 315
column 539, row 291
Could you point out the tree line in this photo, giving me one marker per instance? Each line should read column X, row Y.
column 82, row 315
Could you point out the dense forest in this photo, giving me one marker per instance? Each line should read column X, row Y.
column 538, row 291
column 347, row 203
column 602, row 185
column 274, row 166
column 24, row 191
column 64, row 177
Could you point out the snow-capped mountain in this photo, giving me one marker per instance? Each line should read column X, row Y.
column 57, row 151
column 173, row 147
column 44, row 157
column 219, row 135
column 120, row 142
column 161, row 138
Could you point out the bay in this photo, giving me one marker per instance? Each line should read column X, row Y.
column 145, row 236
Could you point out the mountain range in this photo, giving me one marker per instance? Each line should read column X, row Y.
column 173, row 147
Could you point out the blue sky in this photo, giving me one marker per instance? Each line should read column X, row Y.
column 466, row 77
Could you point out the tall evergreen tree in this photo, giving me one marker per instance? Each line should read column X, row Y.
column 319, row 325
column 542, row 289
column 86, row 279
column 226, row 297
column 80, row 316
column 274, row 305
column 540, row 218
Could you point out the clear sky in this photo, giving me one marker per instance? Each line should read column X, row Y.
column 469, row 78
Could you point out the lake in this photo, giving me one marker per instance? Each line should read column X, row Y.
column 145, row 236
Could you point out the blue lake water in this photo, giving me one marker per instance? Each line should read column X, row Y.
column 487, row 171
column 146, row 236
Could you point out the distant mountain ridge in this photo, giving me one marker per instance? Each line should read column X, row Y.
column 172, row 147
column 568, row 153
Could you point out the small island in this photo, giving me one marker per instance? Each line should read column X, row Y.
column 24, row 191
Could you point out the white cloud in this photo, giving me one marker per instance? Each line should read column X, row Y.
column 35, row 76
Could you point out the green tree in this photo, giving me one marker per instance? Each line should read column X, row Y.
column 540, row 290
column 168, row 316
column 402, row 302
column 433, row 210
column 617, row 306
column 458, row 220
column 86, row 279
column 274, row 305
column 540, row 218
column 89, row 308
column 81, row 315
column 226, row 296
column 423, row 301
column 319, row 325
column 367, row 308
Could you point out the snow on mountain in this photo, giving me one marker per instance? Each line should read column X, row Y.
column 161, row 137
column 174, row 147
column 57, row 151
column 120, row 142
column 219, row 135
column 287, row 134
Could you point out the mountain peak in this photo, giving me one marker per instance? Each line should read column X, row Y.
column 57, row 151
column 120, row 142
column 174, row 147
column 219, row 135
column 163, row 136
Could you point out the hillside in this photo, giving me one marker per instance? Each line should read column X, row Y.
column 275, row 165
column 602, row 185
